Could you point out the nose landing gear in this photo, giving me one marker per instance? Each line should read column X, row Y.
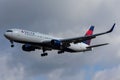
column 12, row 45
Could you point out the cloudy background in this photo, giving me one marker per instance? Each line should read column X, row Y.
column 63, row 18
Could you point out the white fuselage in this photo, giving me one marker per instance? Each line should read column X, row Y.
column 19, row 35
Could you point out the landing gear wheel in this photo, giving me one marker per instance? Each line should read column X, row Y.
column 44, row 54
column 12, row 45
column 60, row 52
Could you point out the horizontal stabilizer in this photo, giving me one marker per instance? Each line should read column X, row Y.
column 97, row 45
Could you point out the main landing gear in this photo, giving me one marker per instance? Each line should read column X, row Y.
column 44, row 53
column 12, row 45
column 60, row 52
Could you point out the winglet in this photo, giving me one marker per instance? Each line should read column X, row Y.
column 111, row 28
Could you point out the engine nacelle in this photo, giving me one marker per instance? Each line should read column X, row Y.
column 56, row 43
column 28, row 47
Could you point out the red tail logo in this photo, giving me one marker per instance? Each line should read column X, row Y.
column 89, row 33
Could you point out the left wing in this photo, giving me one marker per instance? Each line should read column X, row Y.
column 84, row 38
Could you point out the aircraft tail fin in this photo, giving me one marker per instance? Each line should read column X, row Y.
column 89, row 33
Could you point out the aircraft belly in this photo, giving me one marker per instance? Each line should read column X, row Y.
column 78, row 47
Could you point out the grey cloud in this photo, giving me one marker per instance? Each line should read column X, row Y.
column 7, row 73
column 17, row 12
column 66, row 17
column 111, row 74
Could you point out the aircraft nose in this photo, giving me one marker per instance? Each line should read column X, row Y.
column 6, row 34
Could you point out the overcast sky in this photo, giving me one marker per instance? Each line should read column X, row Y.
column 63, row 18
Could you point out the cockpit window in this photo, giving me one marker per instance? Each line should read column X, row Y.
column 9, row 31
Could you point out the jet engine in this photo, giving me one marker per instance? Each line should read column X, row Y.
column 56, row 43
column 28, row 47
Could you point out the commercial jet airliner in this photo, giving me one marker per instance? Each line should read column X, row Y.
column 35, row 40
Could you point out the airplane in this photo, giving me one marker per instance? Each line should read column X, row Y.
column 34, row 40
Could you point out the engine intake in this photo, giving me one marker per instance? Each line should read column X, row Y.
column 56, row 43
column 28, row 47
